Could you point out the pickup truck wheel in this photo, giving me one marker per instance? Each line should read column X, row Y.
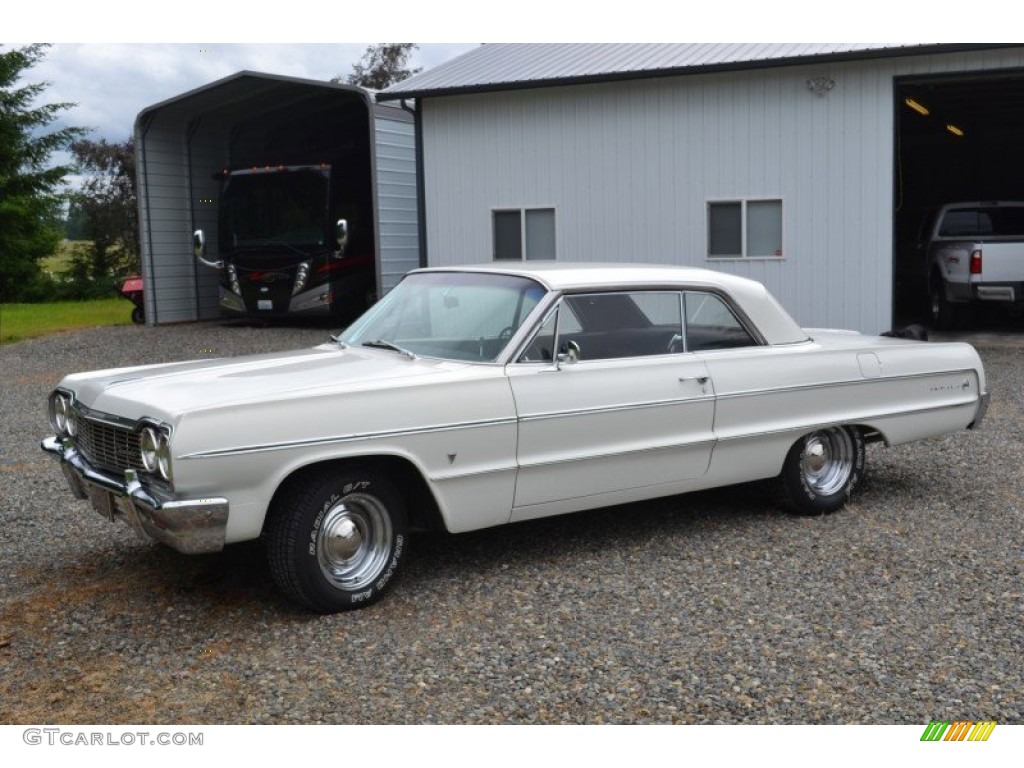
column 821, row 470
column 336, row 539
column 943, row 311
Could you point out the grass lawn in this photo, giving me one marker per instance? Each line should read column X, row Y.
column 25, row 321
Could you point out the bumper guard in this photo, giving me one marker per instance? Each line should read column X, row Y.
column 192, row 526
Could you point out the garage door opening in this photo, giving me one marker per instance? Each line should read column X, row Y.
column 957, row 139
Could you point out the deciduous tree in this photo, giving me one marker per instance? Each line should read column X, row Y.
column 108, row 204
column 382, row 65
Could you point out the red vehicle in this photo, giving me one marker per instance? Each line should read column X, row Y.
column 131, row 289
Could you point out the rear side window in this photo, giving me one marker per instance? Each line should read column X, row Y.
column 983, row 222
column 711, row 324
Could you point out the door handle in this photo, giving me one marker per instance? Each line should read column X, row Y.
column 699, row 379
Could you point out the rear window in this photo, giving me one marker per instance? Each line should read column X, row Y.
column 983, row 222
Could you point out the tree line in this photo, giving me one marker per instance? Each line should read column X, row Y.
column 38, row 210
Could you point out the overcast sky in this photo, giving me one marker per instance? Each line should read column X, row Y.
column 97, row 63
column 112, row 82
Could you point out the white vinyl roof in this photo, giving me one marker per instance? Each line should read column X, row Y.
column 504, row 66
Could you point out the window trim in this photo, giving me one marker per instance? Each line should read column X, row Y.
column 743, row 202
column 522, row 211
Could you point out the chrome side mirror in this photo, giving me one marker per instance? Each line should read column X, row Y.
column 341, row 237
column 199, row 250
column 569, row 355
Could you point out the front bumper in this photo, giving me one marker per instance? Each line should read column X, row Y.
column 192, row 526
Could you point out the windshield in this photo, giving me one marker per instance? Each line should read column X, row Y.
column 450, row 315
column 285, row 206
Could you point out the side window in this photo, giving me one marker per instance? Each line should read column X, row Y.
column 711, row 324
column 606, row 326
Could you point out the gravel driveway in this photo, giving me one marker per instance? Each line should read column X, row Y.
column 709, row 608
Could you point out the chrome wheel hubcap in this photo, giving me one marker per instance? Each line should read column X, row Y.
column 354, row 542
column 827, row 461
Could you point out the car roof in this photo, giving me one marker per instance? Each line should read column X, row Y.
column 752, row 297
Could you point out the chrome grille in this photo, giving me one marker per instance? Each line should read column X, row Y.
column 106, row 446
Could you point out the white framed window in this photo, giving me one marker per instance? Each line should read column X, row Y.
column 523, row 233
column 745, row 229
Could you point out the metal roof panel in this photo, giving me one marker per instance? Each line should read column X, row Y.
column 504, row 66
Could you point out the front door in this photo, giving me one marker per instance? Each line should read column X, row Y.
column 607, row 401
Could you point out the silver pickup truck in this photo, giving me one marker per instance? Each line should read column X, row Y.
column 975, row 254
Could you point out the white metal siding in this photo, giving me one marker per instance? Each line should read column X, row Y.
column 629, row 168
column 396, row 200
column 164, row 219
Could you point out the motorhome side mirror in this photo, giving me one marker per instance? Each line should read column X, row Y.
column 199, row 250
column 341, row 236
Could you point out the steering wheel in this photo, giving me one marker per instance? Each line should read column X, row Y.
column 506, row 333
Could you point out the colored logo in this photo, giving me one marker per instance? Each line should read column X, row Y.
column 959, row 730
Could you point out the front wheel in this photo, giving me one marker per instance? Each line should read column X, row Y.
column 821, row 470
column 336, row 538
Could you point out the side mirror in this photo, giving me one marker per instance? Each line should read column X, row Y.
column 341, row 237
column 199, row 250
column 569, row 355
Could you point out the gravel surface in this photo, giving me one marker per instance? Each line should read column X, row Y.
column 709, row 608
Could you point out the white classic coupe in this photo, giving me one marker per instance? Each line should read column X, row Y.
column 478, row 396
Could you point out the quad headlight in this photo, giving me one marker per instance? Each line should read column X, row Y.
column 301, row 277
column 155, row 450
column 233, row 279
column 61, row 416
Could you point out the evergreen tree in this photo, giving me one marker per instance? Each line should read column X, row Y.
column 31, row 193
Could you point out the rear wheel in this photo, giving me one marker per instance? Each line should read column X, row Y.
column 138, row 315
column 336, row 538
column 821, row 470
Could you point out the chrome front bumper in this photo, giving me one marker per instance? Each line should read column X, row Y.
column 192, row 526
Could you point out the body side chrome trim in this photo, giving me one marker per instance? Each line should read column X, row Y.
column 841, row 383
column 853, row 420
column 615, row 408
column 337, row 439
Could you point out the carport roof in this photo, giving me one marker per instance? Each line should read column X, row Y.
column 259, row 91
column 510, row 66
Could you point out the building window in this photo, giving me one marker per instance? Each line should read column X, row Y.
column 524, row 233
column 745, row 229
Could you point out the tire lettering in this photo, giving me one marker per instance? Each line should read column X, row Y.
column 391, row 565
column 359, row 597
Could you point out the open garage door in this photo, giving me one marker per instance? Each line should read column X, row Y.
column 958, row 138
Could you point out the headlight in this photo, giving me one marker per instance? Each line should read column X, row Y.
column 149, row 442
column 163, row 457
column 155, row 450
column 60, row 415
column 233, row 279
column 301, row 276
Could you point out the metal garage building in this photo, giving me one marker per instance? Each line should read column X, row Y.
column 799, row 165
column 183, row 143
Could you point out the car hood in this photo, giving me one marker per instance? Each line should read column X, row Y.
column 167, row 391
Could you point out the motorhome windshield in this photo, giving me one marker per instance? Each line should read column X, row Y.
column 279, row 206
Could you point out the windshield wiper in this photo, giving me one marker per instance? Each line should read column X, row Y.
column 337, row 340
column 384, row 344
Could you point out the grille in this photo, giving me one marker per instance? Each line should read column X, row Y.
column 106, row 446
